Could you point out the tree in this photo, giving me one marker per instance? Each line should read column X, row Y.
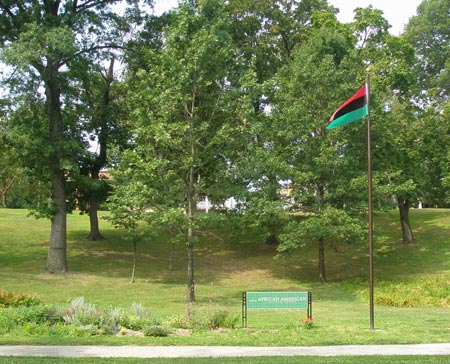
column 186, row 119
column 9, row 168
column 128, row 210
column 428, row 33
column 49, row 43
column 395, row 160
column 104, row 128
column 309, row 89
column 328, row 226
column 266, row 32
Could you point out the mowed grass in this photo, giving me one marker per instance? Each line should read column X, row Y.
column 227, row 264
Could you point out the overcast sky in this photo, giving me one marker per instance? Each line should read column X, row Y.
column 397, row 12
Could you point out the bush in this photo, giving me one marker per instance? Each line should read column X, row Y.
column 13, row 317
column 90, row 318
column 433, row 291
column 202, row 318
column 9, row 299
column 137, row 324
column 139, row 318
column 156, row 331
column 222, row 319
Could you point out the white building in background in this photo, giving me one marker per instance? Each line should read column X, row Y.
column 206, row 205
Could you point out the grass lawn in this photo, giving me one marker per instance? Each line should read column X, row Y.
column 412, row 284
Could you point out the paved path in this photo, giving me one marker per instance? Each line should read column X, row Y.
column 221, row 351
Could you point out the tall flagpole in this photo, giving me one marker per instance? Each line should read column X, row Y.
column 370, row 211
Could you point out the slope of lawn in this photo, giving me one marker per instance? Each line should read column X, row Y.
column 412, row 283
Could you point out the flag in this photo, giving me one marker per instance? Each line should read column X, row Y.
column 355, row 108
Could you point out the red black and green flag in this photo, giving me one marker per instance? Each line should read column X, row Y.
column 355, row 108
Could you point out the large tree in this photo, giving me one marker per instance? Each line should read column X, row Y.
column 49, row 42
column 186, row 120
column 104, row 128
column 428, row 32
column 267, row 33
column 9, row 168
column 395, row 163
column 309, row 88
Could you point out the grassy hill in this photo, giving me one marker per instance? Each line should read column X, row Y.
column 412, row 283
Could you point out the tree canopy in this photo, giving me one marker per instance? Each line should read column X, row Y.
column 222, row 99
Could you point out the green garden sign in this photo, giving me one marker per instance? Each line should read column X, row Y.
column 275, row 300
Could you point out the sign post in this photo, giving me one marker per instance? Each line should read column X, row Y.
column 275, row 300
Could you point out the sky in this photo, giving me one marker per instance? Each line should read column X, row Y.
column 397, row 12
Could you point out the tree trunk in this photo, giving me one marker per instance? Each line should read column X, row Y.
column 94, row 234
column 319, row 201
column 133, row 273
column 190, row 240
column 403, row 207
column 100, row 161
column 7, row 185
column 191, row 281
column 4, row 205
column 322, row 275
column 56, row 259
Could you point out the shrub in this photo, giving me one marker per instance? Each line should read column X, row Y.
column 433, row 291
column 140, row 318
column 222, row 319
column 13, row 317
column 90, row 318
column 139, row 311
column 156, row 331
column 202, row 318
column 9, row 299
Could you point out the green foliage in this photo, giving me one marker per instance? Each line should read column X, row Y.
column 139, row 319
column 10, row 299
column 428, row 32
column 433, row 291
column 13, row 317
column 331, row 225
column 107, row 321
column 177, row 321
column 156, row 331
column 37, row 42
column 210, row 318
column 307, row 323
column 222, row 319
column 87, row 316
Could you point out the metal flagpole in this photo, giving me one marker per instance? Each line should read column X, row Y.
column 369, row 186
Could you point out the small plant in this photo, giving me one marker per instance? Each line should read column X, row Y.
column 139, row 318
column 200, row 317
column 9, row 299
column 89, row 318
column 177, row 322
column 308, row 323
column 13, row 317
column 138, row 310
column 156, row 331
column 222, row 319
